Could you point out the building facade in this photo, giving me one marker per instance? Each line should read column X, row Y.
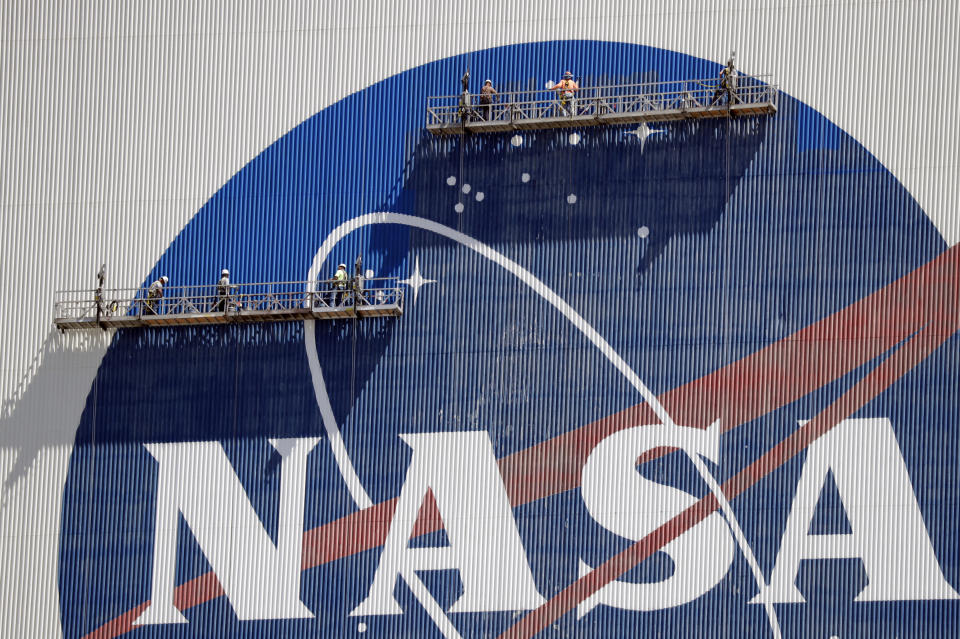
column 691, row 377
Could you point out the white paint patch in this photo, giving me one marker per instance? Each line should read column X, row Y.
column 451, row 180
column 368, row 273
column 574, row 138
column 361, row 627
column 465, row 188
column 480, row 195
column 525, row 178
column 516, row 140
column 571, row 199
column 458, row 207
column 643, row 232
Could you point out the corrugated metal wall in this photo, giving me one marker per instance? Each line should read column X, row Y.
column 688, row 253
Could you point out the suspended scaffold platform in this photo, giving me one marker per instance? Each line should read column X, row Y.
column 594, row 106
column 243, row 303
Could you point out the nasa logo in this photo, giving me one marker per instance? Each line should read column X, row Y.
column 596, row 402
column 459, row 474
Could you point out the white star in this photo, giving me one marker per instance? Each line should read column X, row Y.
column 415, row 281
column 643, row 132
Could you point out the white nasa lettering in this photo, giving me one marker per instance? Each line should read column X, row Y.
column 261, row 581
column 888, row 533
column 631, row 506
column 461, row 471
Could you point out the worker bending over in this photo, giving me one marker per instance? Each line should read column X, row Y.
column 154, row 295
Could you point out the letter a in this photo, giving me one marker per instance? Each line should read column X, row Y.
column 461, row 471
column 888, row 533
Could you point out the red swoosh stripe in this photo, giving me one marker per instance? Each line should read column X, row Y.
column 901, row 362
column 739, row 393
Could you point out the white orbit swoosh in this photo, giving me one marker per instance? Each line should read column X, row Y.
column 342, row 457
column 521, row 273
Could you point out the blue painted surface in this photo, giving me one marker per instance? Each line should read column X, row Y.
column 757, row 228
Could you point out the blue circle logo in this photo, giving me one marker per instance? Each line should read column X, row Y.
column 695, row 375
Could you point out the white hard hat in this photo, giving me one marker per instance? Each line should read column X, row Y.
column 342, row 266
column 488, row 81
column 224, row 272
column 164, row 279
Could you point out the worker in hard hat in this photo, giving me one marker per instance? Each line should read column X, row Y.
column 727, row 84
column 340, row 284
column 223, row 292
column 566, row 94
column 98, row 294
column 154, row 295
column 488, row 95
column 465, row 109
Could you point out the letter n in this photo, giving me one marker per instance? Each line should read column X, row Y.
column 260, row 579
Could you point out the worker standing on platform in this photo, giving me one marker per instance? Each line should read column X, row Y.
column 488, row 95
column 340, row 284
column 466, row 110
column 566, row 94
column 154, row 295
column 728, row 84
column 98, row 294
column 223, row 292
column 732, row 80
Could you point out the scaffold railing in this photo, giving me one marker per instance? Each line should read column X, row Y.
column 240, row 303
column 614, row 104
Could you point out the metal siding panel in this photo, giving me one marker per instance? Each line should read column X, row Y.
column 488, row 355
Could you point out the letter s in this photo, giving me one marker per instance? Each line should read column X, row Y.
column 621, row 500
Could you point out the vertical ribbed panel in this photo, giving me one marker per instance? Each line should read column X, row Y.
column 745, row 270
